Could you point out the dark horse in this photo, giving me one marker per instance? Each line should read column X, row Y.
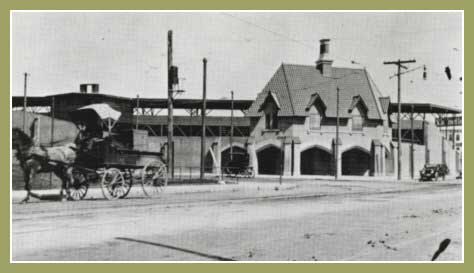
column 37, row 159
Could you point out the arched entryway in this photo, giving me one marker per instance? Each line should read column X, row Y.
column 269, row 160
column 355, row 161
column 317, row 161
column 240, row 157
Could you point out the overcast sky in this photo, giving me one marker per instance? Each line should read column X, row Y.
column 126, row 52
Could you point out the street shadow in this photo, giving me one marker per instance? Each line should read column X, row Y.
column 210, row 256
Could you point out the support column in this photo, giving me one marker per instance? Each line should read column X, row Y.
column 425, row 141
column 253, row 162
column 216, row 148
column 287, row 157
column 395, row 156
column 297, row 158
column 337, row 156
column 443, row 150
column 412, row 147
column 382, row 160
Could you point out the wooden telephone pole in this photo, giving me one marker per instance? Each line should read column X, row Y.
column 231, row 140
column 170, row 149
column 25, row 82
column 399, row 65
column 203, row 118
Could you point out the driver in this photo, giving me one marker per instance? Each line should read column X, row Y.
column 85, row 139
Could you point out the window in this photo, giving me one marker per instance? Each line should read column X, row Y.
column 357, row 120
column 271, row 119
column 458, row 137
column 314, row 119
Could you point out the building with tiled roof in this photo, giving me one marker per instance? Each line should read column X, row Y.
column 290, row 128
column 295, row 115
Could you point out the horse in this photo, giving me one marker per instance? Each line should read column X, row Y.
column 38, row 159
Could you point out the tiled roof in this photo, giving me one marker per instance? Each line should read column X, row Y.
column 293, row 85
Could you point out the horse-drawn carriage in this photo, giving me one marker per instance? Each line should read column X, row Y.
column 238, row 166
column 101, row 158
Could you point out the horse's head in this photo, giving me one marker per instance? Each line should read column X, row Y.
column 20, row 139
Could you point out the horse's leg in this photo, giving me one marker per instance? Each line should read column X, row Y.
column 69, row 181
column 59, row 173
column 26, row 175
column 30, row 175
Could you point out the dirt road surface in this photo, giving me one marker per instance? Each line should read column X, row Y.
column 296, row 221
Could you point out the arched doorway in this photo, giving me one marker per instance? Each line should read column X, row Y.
column 355, row 161
column 316, row 161
column 269, row 160
column 240, row 157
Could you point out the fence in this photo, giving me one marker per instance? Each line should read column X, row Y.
column 187, row 174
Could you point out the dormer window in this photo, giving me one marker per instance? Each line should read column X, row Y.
column 358, row 111
column 271, row 117
column 270, row 107
column 315, row 109
column 314, row 118
column 357, row 120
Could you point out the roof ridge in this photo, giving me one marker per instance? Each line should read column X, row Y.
column 378, row 107
column 288, row 89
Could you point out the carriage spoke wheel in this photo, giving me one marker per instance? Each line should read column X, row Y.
column 79, row 187
column 114, row 185
column 154, row 178
column 249, row 173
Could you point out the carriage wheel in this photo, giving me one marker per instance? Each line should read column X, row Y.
column 114, row 185
column 79, row 187
column 249, row 173
column 154, row 178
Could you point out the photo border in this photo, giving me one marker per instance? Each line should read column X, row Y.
column 5, row 101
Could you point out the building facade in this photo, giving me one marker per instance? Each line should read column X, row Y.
column 296, row 117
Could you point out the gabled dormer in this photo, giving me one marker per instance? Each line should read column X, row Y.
column 358, row 111
column 270, row 107
column 316, row 112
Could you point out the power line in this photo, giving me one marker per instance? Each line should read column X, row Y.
column 267, row 30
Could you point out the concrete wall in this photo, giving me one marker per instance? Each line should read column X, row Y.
column 439, row 151
column 187, row 150
column 64, row 131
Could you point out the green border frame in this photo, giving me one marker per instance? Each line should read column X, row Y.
column 7, row 5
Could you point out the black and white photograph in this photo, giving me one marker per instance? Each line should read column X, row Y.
column 236, row 136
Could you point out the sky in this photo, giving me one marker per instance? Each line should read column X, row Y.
column 126, row 52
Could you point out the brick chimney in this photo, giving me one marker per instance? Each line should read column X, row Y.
column 89, row 88
column 324, row 63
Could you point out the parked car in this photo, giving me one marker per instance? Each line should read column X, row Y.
column 433, row 172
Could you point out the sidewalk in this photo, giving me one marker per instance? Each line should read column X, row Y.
column 263, row 188
column 95, row 191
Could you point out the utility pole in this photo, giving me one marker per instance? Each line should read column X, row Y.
column 231, row 124
column 336, row 148
column 138, row 105
column 399, row 65
column 170, row 150
column 453, row 116
column 52, row 110
column 25, row 101
column 412, row 147
column 203, row 117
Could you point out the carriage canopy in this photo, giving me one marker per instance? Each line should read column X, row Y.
column 94, row 116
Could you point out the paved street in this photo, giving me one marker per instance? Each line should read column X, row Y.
column 251, row 221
